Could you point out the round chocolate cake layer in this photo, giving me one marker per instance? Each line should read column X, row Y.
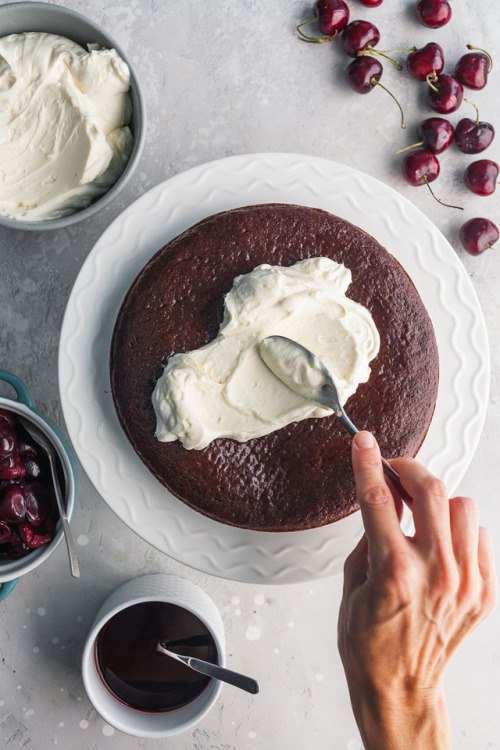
column 299, row 477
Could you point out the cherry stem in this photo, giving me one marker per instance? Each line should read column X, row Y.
column 413, row 145
column 477, row 111
column 437, row 199
column 432, row 77
column 395, row 51
column 371, row 51
column 313, row 39
column 469, row 46
column 374, row 80
column 491, row 247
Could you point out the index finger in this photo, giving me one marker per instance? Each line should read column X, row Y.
column 380, row 517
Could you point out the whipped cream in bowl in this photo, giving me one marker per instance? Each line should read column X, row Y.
column 71, row 117
column 224, row 389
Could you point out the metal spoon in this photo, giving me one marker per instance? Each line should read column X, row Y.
column 42, row 440
column 212, row 670
column 307, row 375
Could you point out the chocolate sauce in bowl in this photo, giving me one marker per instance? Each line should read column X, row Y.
column 135, row 673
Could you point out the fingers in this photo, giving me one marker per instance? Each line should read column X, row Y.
column 486, row 562
column 355, row 567
column 464, row 524
column 430, row 507
column 375, row 499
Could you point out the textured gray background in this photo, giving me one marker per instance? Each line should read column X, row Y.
column 224, row 78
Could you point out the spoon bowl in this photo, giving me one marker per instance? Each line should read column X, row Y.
column 309, row 377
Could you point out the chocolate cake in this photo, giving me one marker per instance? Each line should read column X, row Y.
column 299, row 477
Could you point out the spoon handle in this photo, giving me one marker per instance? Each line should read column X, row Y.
column 221, row 673
column 73, row 558
column 390, row 473
column 213, row 670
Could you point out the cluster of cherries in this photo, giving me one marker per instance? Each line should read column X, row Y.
column 436, row 134
column 28, row 507
column 445, row 95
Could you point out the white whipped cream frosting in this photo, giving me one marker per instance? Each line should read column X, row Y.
column 224, row 389
column 64, row 111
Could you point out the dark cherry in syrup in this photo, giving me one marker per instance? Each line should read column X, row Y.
column 27, row 503
column 140, row 677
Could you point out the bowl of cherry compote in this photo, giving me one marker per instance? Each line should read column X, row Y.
column 30, row 529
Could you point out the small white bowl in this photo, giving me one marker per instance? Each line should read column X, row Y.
column 16, row 18
column 12, row 570
column 157, row 587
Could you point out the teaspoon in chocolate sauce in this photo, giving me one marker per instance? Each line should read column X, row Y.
column 212, row 670
column 309, row 377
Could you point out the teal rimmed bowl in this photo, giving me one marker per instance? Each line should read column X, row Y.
column 12, row 570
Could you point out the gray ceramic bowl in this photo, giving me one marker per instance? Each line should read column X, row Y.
column 28, row 16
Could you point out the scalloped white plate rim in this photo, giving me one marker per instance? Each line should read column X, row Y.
column 162, row 213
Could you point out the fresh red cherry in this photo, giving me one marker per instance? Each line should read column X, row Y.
column 445, row 94
column 364, row 73
column 436, row 135
column 420, row 168
column 358, row 36
column 371, row 3
column 426, row 60
column 481, row 176
column 472, row 69
column 13, row 504
column 476, row 235
column 473, row 137
column 433, row 13
column 332, row 16
column 12, row 467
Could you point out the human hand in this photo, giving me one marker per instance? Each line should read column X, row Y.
column 408, row 602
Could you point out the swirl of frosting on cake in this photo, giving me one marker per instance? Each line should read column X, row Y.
column 64, row 113
column 224, row 389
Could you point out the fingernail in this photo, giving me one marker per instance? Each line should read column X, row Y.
column 364, row 440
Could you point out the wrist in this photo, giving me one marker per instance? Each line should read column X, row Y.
column 398, row 722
